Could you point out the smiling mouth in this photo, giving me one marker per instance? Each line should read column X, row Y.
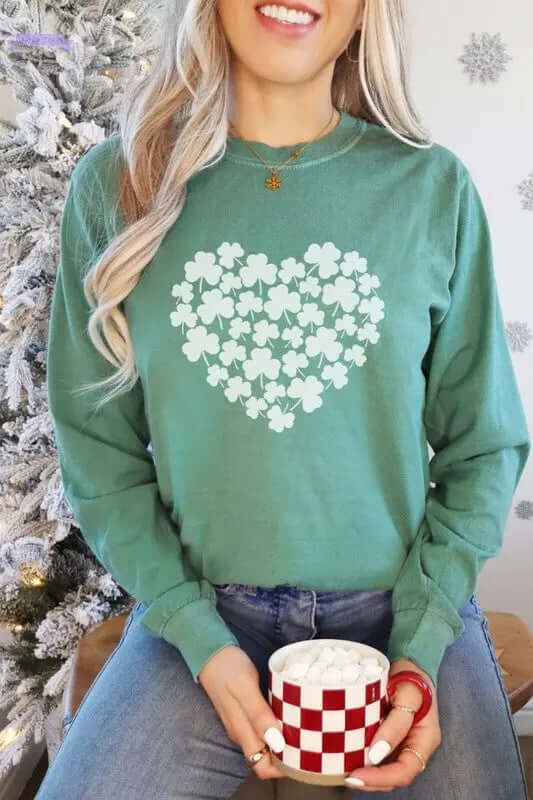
column 295, row 7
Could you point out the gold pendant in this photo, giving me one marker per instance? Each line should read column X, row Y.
column 273, row 181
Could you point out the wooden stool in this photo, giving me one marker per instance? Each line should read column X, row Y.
column 91, row 653
column 513, row 644
column 511, row 637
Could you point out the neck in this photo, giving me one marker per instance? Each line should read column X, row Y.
column 280, row 118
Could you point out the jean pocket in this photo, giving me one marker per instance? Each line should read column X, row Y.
column 360, row 599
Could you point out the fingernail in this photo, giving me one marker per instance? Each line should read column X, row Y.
column 378, row 751
column 280, row 724
column 274, row 739
column 354, row 781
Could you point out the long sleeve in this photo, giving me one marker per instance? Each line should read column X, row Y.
column 108, row 473
column 476, row 426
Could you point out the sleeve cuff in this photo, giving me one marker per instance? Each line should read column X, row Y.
column 196, row 629
column 422, row 637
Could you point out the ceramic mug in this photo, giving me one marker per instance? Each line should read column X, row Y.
column 328, row 728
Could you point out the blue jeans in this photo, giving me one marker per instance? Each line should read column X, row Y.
column 146, row 729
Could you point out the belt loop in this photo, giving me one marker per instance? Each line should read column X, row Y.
column 250, row 589
column 313, row 615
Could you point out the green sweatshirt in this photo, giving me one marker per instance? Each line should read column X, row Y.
column 297, row 350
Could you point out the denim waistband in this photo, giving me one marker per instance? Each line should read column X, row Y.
column 295, row 591
column 286, row 613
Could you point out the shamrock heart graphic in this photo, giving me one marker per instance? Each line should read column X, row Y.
column 275, row 338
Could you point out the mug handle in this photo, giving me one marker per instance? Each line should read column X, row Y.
column 418, row 680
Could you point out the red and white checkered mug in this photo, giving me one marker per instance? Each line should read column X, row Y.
column 328, row 728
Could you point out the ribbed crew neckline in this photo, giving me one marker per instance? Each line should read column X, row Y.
column 344, row 136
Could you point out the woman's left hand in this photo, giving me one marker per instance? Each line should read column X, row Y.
column 398, row 731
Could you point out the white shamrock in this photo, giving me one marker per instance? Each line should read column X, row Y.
column 293, row 335
column 248, row 303
column 264, row 331
column 324, row 343
column 238, row 327
column 200, row 342
column 281, row 301
column 346, row 324
column 236, row 388
column 215, row 304
column 307, row 391
column 184, row 291
column 372, row 307
column 352, row 263
column 232, row 351
column 368, row 333
column 336, row 373
column 310, row 314
column 310, row 285
column 204, row 267
column 291, row 270
column 325, row 257
column 342, row 293
column 294, row 361
column 216, row 374
column 367, row 283
column 255, row 405
column 229, row 253
column 274, row 390
column 258, row 269
column 230, row 282
column 280, row 420
column 261, row 363
column 183, row 315
column 355, row 354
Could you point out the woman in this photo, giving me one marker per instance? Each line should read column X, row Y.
column 319, row 303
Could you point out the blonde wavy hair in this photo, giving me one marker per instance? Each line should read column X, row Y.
column 174, row 120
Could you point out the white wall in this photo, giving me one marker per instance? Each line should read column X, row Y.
column 490, row 126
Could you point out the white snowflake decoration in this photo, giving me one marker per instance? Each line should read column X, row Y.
column 518, row 335
column 524, row 509
column 485, row 58
column 525, row 188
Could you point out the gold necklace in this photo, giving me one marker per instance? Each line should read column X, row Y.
column 273, row 181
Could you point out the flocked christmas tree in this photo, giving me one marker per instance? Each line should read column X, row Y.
column 68, row 63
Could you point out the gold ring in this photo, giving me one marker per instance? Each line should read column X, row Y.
column 253, row 758
column 418, row 755
column 405, row 708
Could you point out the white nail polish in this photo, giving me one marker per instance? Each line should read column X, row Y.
column 354, row 781
column 274, row 739
column 378, row 751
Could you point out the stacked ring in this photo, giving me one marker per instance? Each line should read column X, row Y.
column 253, row 758
column 418, row 755
column 404, row 708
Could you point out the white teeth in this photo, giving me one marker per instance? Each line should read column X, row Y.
column 287, row 15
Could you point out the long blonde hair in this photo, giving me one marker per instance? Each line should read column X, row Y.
column 174, row 122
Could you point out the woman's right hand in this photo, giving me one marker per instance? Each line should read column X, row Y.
column 231, row 680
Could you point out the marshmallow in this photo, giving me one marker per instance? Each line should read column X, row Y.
column 327, row 655
column 350, row 673
column 298, row 669
column 321, row 664
column 332, row 675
